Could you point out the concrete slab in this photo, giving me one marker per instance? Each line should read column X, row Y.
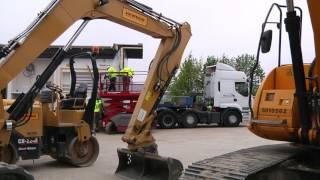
column 187, row 145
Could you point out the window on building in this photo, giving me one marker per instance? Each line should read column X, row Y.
column 242, row 88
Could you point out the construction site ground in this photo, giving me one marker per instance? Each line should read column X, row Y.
column 187, row 145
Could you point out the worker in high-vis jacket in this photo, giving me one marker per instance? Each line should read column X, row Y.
column 127, row 74
column 98, row 112
column 112, row 75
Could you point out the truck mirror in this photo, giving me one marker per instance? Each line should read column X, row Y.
column 266, row 41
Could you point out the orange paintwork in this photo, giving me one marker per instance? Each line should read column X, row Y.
column 275, row 112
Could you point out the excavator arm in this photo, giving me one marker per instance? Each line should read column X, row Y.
column 60, row 15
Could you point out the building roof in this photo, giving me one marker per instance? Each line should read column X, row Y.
column 132, row 51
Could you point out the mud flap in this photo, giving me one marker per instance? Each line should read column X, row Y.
column 145, row 166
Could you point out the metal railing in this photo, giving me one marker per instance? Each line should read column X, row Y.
column 122, row 83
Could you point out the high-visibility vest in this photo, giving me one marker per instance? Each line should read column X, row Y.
column 127, row 71
column 112, row 71
column 97, row 106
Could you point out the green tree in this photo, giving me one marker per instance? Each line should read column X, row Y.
column 213, row 60
column 189, row 79
column 245, row 63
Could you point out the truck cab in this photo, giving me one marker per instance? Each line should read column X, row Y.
column 225, row 87
column 223, row 102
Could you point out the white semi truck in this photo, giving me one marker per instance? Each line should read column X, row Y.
column 224, row 101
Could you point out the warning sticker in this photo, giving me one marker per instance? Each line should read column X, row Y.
column 142, row 115
column 148, row 96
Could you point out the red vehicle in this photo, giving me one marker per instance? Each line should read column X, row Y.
column 119, row 103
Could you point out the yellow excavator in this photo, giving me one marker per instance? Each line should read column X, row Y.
column 286, row 106
column 61, row 125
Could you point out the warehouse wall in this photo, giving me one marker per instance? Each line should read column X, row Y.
column 23, row 82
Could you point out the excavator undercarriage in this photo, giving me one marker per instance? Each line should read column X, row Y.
column 270, row 162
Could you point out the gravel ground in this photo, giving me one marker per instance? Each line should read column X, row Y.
column 187, row 145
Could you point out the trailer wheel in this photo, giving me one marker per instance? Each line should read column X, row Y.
column 231, row 118
column 167, row 119
column 189, row 119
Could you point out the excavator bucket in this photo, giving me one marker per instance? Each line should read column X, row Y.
column 145, row 166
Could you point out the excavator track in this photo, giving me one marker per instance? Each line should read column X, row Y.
column 264, row 162
column 13, row 172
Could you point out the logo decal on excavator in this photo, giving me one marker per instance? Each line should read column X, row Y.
column 274, row 110
column 34, row 116
column 134, row 17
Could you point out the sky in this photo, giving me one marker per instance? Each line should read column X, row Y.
column 219, row 27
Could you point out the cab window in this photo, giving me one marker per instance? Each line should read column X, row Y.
column 242, row 88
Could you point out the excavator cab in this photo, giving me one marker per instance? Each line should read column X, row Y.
column 276, row 96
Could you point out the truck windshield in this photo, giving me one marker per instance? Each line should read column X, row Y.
column 242, row 88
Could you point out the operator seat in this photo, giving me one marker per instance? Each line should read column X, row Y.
column 77, row 101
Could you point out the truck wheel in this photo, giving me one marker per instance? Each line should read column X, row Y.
column 167, row 119
column 231, row 118
column 111, row 128
column 189, row 119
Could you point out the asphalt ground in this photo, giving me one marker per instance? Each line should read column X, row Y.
column 187, row 145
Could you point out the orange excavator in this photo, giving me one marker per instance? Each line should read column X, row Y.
column 30, row 128
column 286, row 108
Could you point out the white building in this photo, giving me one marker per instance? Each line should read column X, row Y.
column 116, row 56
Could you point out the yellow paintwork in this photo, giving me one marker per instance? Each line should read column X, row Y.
column 62, row 16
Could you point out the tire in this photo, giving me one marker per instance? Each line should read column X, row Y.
column 13, row 172
column 167, row 119
column 10, row 154
column 189, row 119
column 231, row 118
column 111, row 128
column 83, row 154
